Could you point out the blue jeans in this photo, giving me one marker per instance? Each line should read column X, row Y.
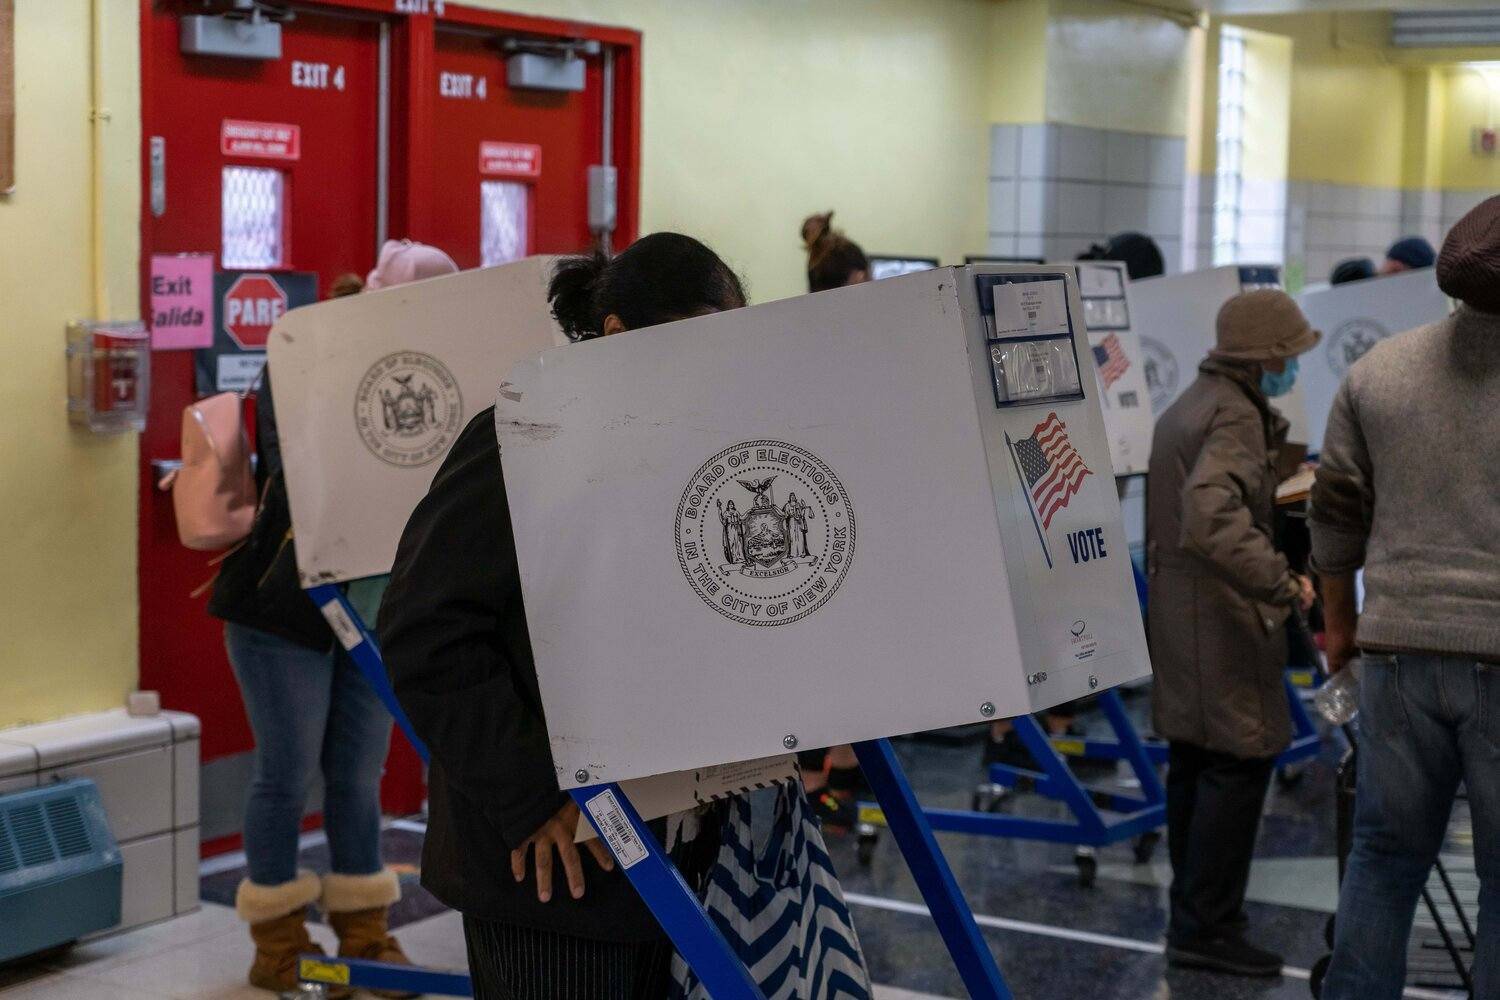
column 1426, row 724
column 309, row 711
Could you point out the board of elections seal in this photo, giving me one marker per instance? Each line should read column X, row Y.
column 765, row 533
column 1161, row 372
column 1352, row 341
column 408, row 409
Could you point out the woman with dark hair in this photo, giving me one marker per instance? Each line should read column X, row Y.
column 1139, row 253
column 453, row 631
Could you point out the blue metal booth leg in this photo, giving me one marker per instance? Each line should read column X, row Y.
column 669, row 898
column 651, row 871
column 356, row 638
column 954, row 919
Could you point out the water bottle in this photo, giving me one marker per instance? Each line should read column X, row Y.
column 1338, row 699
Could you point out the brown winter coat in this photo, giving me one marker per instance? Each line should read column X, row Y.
column 1220, row 593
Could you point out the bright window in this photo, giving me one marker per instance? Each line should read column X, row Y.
column 1229, row 178
column 254, row 218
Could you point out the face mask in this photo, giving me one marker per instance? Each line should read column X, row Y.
column 1279, row 383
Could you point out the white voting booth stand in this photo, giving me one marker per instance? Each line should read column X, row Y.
column 371, row 391
column 1354, row 317
column 893, row 497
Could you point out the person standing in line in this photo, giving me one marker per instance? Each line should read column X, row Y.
column 543, row 919
column 311, row 713
column 1406, row 492
column 1410, row 253
column 1220, row 596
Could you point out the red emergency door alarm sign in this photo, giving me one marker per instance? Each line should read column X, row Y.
column 510, row 159
column 252, row 304
column 260, row 140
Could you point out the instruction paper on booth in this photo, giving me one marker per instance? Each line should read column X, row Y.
column 1031, row 308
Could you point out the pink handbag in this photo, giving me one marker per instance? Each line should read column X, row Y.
column 213, row 494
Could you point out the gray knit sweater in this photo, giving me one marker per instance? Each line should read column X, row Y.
column 1409, row 488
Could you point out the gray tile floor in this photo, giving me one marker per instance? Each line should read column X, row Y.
column 1053, row 938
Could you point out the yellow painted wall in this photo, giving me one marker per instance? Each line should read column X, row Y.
column 1018, row 71
column 1114, row 65
column 1348, row 97
column 1471, row 97
column 756, row 114
column 1268, row 95
column 1422, row 139
column 67, row 499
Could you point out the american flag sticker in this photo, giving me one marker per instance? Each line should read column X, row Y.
column 1052, row 470
column 1111, row 361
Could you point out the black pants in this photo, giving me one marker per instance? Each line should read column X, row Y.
column 1213, row 812
column 507, row 962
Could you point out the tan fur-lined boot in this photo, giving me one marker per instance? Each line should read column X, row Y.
column 357, row 907
column 277, row 918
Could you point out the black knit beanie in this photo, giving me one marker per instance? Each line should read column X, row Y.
column 1468, row 269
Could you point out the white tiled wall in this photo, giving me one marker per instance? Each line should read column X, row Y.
column 1055, row 189
column 146, row 769
column 1328, row 223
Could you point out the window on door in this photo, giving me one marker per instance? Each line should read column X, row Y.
column 504, row 221
column 254, row 218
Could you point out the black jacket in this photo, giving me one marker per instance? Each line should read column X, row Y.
column 257, row 584
column 453, row 633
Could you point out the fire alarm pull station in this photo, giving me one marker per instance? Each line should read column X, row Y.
column 109, row 375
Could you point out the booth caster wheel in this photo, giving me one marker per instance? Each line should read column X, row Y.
column 1145, row 847
column 989, row 798
column 1088, row 866
column 869, row 836
column 1319, row 973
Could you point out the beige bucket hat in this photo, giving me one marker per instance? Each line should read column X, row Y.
column 1263, row 325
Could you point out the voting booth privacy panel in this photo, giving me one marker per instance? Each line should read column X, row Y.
column 1175, row 317
column 371, row 390
column 1354, row 317
column 1117, row 361
column 876, row 510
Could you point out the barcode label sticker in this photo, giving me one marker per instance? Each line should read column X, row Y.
column 343, row 626
column 609, row 817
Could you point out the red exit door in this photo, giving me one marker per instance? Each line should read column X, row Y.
column 511, row 163
column 269, row 165
column 277, row 166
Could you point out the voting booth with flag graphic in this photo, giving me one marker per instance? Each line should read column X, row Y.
column 1118, row 359
column 892, row 494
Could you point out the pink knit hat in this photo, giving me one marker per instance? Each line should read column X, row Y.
column 402, row 261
